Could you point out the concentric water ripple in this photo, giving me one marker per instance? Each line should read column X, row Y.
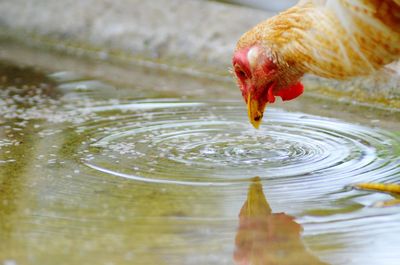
column 87, row 171
column 212, row 143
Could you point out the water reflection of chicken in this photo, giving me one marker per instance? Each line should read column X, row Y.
column 269, row 238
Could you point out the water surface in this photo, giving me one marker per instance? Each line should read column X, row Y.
column 93, row 172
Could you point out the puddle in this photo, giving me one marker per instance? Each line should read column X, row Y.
column 91, row 175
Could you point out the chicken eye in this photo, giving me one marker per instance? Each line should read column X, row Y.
column 241, row 74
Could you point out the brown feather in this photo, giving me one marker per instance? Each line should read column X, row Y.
column 334, row 39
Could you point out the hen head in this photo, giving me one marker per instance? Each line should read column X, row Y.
column 261, row 78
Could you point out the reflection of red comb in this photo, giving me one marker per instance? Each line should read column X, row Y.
column 291, row 92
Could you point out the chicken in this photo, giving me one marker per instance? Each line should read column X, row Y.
column 337, row 39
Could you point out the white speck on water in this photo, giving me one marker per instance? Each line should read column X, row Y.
column 103, row 55
column 129, row 256
column 7, row 161
column 9, row 262
column 121, row 218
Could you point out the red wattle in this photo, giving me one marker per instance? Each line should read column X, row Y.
column 290, row 92
column 271, row 96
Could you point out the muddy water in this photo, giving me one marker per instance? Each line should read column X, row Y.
column 95, row 173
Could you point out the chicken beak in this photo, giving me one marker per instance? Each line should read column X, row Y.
column 255, row 111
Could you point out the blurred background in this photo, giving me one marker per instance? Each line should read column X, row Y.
column 265, row 5
column 196, row 35
column 202, row 33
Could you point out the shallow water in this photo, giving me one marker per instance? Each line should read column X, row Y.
column 89, row 174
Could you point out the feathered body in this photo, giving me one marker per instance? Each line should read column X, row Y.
column 336, row 39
